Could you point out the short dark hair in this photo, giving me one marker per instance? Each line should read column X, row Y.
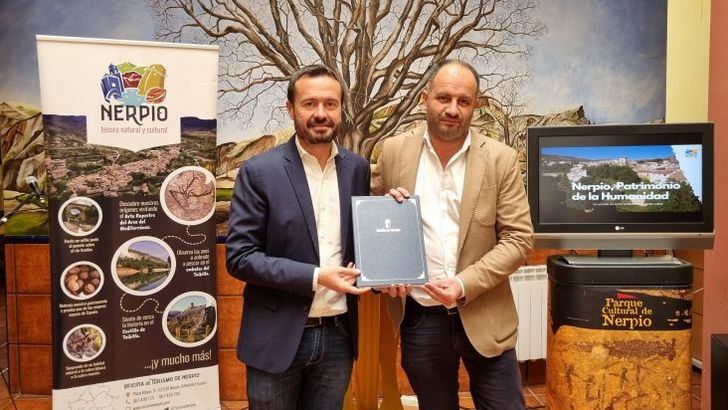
column 316, row 70
column 439, row 65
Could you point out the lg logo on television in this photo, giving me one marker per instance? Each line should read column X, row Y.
column 619, row 228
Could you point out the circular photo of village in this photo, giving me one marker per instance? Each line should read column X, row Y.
column 84, row 342
column 143, row 265
column 82, row 280
column 79, row 216
column 190, row 319
column 188, row 195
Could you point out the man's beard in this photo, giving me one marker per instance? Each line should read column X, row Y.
column 307, row 133
column 447, row 133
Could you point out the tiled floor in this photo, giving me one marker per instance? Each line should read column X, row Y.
column 535, row 399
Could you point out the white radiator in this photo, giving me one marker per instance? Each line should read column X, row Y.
column 530, row 287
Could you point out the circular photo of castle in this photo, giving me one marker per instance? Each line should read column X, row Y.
column 188, row 195
column 190, row 319
column 79, row 216
column 143, row 265
column 82, row 280
column 84, row 342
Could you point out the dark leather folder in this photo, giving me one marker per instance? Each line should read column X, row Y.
column 388, row 241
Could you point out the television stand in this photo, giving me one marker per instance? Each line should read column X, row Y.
column 615, row 253
column 624, row 319
column 599, row 260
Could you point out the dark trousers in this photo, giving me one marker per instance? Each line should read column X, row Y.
column 316, row 380
column 433, row 342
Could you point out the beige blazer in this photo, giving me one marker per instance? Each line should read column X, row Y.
column 495, row 238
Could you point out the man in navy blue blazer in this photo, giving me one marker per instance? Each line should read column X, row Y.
column 291, row 241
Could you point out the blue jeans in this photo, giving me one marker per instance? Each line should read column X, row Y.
column 317, row 379
column 432, row 346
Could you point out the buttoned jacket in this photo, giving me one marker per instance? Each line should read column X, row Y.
column 495, row 231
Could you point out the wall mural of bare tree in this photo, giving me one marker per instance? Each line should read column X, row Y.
column 542, row 62
column 381, row 49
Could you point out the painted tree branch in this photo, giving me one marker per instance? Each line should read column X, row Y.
column 381, row 48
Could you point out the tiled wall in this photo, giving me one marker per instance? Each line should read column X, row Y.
column 29, row 325
column 4, row 370
column 230, row 304
column 29, row 317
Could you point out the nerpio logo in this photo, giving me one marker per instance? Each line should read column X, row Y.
column 134, row 93
column 691, row 153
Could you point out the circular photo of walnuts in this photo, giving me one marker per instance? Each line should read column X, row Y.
column 82, row 280
column 84, row 342
column 188, row 195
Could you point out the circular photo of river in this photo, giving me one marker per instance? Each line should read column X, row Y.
column 84, row 342
column 143, row 265
column 188, row 195
column 190, row 319
column 80, row 216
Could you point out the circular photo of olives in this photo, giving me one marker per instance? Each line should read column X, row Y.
column 84, row 342
column 82, row 280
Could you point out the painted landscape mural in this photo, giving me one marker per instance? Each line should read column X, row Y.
column 534, row 69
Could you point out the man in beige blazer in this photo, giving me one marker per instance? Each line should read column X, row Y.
column 477, row 232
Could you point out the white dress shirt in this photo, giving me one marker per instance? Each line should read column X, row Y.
column 440, row 191
column 323, row 186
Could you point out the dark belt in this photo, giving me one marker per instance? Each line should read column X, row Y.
column 325, row 320
column 413, row 307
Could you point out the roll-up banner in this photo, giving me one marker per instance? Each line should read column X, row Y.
column 130, row 145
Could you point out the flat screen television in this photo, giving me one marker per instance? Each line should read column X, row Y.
column 647, row 186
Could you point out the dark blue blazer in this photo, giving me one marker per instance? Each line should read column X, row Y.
column 272, row 245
